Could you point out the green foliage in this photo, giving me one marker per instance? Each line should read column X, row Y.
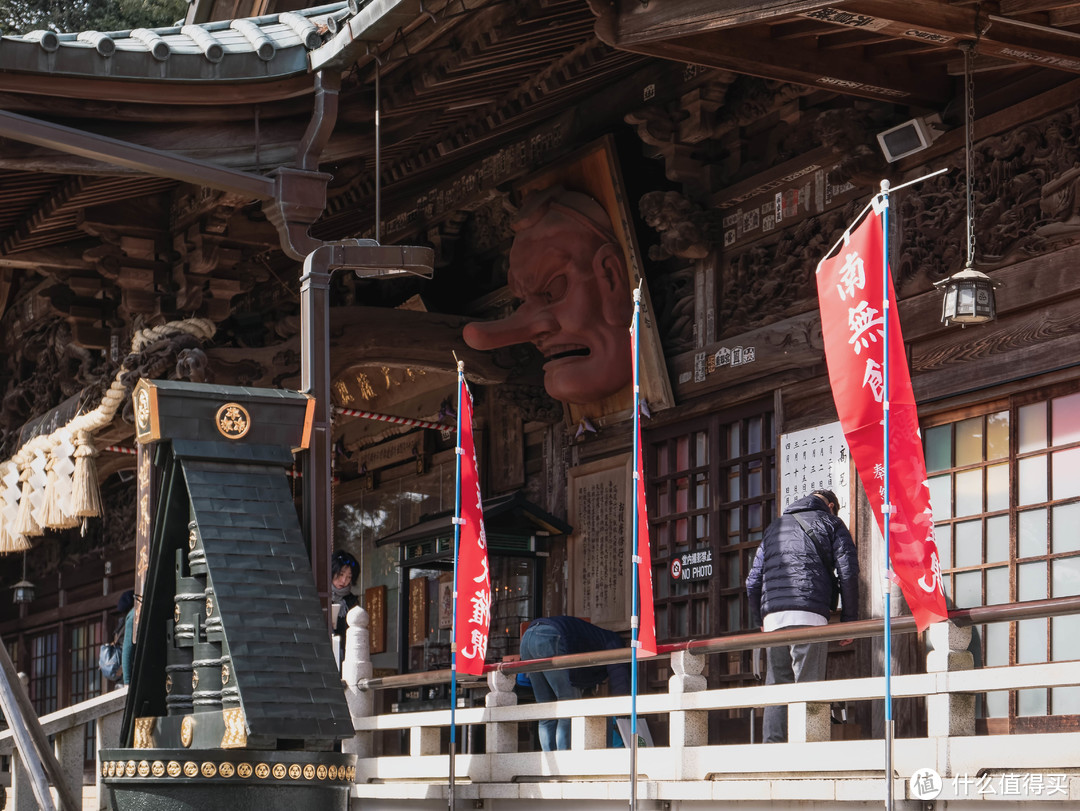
column 22, row 16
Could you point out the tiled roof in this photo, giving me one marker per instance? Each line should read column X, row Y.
column 261, row 578
column 258, row 48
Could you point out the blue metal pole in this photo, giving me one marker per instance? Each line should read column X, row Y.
column 453, row 622
column 635, row 612
column 887, row 506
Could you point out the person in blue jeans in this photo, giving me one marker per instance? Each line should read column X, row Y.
column 558, row 636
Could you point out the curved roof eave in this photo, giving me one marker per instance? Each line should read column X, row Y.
column 265, row 57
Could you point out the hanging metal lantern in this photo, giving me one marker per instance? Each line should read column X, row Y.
column 969, row 298
column 23, row 591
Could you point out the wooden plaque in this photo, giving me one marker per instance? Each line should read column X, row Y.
column 418, row 610
column 375, row 605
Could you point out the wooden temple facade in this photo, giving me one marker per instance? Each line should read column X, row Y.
column 729, row 145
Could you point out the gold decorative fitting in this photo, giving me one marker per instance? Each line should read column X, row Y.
column 176, row 613
column 191, row 769
column 192, row 539
column 209, row 606
column 144, row 733
column 173, row 768
column 244, row 770
column 321, row 772
column 104, row 768
column 295, row 771
column 331, row 773
column 142, row 411
column 235, row 736
column 233, row 421
column 187, row 730
column 144, row 768
column 226, row 769
column 352, row 774
column 224, row 674
column 279, row 771
column 168, row 683
column 157, row 768
column 129, row 768
column 194, row 679
column 262, row 771
column 309, row 772
column 209, row 768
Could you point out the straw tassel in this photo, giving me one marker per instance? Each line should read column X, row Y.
column 85, row 495
column 57, row 495
column 25, row 524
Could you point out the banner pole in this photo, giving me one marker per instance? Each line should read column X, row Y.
column 887, row 507
column 635, row 611
column 453, row 622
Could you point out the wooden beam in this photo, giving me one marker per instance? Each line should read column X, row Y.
column 950, row 25
column 634, row 23
column 1012, row 8
column 744, row 53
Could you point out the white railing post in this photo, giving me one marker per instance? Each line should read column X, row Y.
column 687, row 728
column 588, row 732
column 108, row 735
column 70, row 750
column 949, row 714
column 356, row 666
column 809, row 722
column 501, row 736
column 22, row 792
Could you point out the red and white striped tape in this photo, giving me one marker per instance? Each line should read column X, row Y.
column 371, row 415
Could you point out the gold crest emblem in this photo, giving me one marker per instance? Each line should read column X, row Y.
column 144, row 768
column 191, row 768
column 176, row 613
column 244, row 770
column 225, row 674
column 209, row 606
column 294, row 771
column 194, row 679
column 187, row 730
column 226, row 769
column 173, row 768
column 321, row 772
column 331, row 773
column 192, row 538
column 129, row 769
column 309, row 772
column 157, row 768
column 168, row 684
column 279, row 771
column 262, row 771
column 209, row 768
column 233, row 421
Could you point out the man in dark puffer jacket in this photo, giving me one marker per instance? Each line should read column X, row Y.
column 791, row 586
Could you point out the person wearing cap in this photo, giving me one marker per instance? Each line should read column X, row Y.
column 792, row 585
column 344, row 572
column 569, row 270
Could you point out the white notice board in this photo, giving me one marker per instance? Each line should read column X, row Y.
column 815, row 459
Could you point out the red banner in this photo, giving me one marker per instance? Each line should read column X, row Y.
column 646, row 610
column 472, row 622
column 850, row 295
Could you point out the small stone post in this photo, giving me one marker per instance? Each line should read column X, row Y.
column 356, row 666
column 688, row 727
column 502, row 736
column 949, row 714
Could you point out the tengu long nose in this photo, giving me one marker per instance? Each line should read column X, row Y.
column 516, row 328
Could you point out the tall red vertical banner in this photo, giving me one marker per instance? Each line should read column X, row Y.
column 647, row 612
column 473, row 620
column 850, row 296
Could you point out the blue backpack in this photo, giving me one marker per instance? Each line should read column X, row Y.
column 110, row 661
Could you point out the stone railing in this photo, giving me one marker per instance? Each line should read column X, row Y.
column 810, row 768
column 67, row 728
